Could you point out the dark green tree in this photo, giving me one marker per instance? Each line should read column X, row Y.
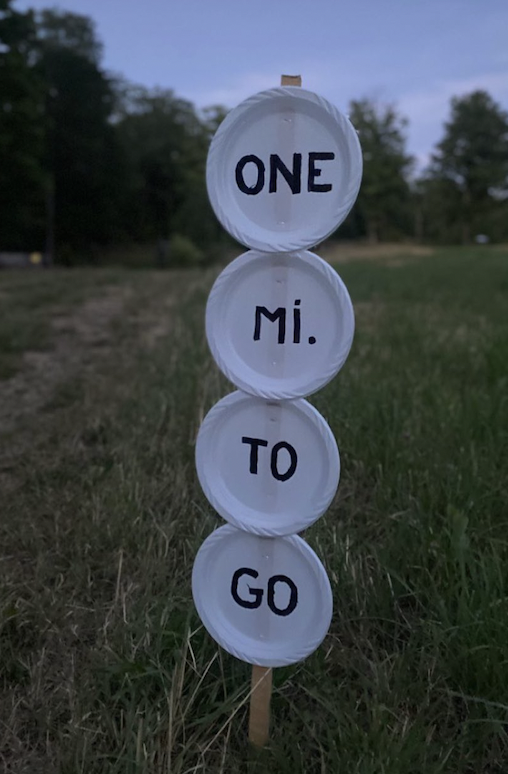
column 382, row 210
column 64, row 30
column 436, row 203
column 85, row 164
column 166, row 143
column 22, row 134
column 470, row 166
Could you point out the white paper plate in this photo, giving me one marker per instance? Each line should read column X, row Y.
column 266, row 601
column 268, row 468
column 283, row 170
column 280, row 325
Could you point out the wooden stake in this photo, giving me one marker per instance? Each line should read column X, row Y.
column 261, row 680
column 291, row 80
column 259, row 716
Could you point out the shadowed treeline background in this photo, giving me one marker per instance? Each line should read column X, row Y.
column 96, row 169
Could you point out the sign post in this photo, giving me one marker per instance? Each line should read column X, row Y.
column 259, row 712
column 283, row 171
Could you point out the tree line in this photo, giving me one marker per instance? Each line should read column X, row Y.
column 88, row 160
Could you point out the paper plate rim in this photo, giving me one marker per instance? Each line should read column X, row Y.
column 271, row 242
column 215, row 309
column 241, row 520
column 297, row 653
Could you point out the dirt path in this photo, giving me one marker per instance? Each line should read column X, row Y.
column 142, row 305
column 78, row 340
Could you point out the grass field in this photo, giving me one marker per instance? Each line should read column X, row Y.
column 104, row 664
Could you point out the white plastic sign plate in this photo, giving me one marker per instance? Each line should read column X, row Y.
column 283, row 170
column 266, row 601
column 279, row 326
column 268, row 468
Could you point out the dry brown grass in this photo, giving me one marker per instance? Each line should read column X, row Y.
column 390, row 254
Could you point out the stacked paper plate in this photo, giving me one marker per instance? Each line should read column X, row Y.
column 283, row 172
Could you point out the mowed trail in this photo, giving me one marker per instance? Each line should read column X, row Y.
column 81, row 338
column 88, row 342
column 96, row 432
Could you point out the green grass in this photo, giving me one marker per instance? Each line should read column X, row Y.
column 104, row 664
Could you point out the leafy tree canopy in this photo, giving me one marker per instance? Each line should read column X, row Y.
column 22, row 133
column 63, row 30
column 382, row 202
column 474, row 150
column 85, row 165
column 166, row 142
column 471, row 164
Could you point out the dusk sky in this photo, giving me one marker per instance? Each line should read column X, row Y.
column 415, row 53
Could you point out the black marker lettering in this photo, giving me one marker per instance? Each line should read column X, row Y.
column 255, row 443
column 313, row 172
column 242, row 185
column 293, row 179
column 293, row 597
column 256, row 593
column 279, row 314
column 296, row 323
column 292, row 465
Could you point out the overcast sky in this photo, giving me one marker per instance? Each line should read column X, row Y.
column 416, row 53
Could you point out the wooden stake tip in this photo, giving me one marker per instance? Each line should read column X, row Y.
column 291, row 80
